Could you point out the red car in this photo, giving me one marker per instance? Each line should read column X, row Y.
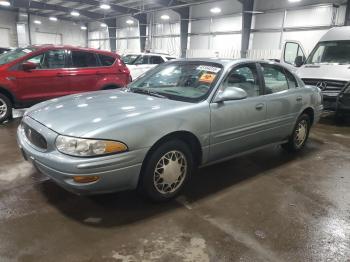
column 37, row 73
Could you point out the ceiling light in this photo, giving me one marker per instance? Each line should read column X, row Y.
column 165, row 17
column 105, row 6
column 215, row 10
column 83, row 27
column 129, row 22
column 75, row 13
column 294, row 1
column 5, row 3
column 38, row 22
column 103, row 25
column 52, row 18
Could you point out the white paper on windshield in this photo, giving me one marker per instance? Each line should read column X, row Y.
column 27, row 51
column 209, row 68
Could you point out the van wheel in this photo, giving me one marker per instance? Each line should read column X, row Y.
column 5, row 108
column 166, row 171
column 300, row 134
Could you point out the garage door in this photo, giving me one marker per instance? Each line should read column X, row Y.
column 5, row 37
column 48, row 38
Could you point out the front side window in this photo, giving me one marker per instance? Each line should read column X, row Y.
column 182, row 81
column 155, row 60
column 52, row 59
column 332, row 52
column 244, row 77
column 142, row 60
column 129, row 59
column 82, row 59
column 11, row 56
column 275, row 79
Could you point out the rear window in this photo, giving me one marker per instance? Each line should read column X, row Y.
column 106, row 60
column 83, row 59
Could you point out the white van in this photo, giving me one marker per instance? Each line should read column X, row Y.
column 327, row 67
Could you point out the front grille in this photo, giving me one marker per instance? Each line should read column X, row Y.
column 34, row 137
column 331, row 85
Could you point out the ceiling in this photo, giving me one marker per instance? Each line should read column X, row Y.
column 90, row 9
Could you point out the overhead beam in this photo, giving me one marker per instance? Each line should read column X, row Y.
column 27, row 4
column 116, row 8
column 247, row 16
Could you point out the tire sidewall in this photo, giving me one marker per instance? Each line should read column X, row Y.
column 301, row 118
column 9, row 108
column 147, row 173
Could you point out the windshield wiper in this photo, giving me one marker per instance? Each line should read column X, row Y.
column 146, row 92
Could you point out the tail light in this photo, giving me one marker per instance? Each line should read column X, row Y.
column 122, row 67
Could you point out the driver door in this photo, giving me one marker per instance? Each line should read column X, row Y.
column 292, row 51
column 238, row 126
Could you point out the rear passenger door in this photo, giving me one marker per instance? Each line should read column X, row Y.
column 84, row 71
column 283, row 98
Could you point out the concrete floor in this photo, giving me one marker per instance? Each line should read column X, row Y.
column 268, row 206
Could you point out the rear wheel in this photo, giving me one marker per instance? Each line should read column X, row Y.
column 5, row 108
column 167, row 170
column 300, row 134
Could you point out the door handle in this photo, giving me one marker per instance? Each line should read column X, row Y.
column 299, row 98
column 259, row 106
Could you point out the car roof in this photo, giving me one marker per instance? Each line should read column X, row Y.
column 155, row 54
column 48, row 47
column 227, row 62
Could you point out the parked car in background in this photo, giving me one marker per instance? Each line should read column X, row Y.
column 4, row 50
column 179, row 115
column 37, row 73
column 327, row 67
column 141, row 63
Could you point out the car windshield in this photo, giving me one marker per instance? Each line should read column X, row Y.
column 184, row 81
column 129, row 59
column 15, row 54
column 331, row 52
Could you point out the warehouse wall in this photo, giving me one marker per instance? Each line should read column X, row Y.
column 98, row 37
column 15, row 32
column 8, row 29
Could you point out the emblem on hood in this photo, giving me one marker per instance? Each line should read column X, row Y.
column 322, row 85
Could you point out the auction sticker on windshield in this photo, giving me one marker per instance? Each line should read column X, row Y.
column 209, row 68
column 207, row 78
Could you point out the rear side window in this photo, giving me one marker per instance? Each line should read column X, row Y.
column 156, row 60
column 275, row 79
column 106, row 60
column 292, row 82
column 83, row 59
column 52, row 59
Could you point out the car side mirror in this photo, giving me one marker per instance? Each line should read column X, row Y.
column 299, row 61
column 28, row 66
column 231, row 93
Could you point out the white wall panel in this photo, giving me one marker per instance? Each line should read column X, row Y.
column 5, row 37
column 199, row 42
column 201, row 26
column 222, row 42
column 268, row 20
column 341, row 15
column 317, row 16
column 8, row 22
column 227, row 24
column 265, row 40
column 47, row 38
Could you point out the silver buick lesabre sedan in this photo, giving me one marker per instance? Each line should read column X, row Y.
column 181, row 115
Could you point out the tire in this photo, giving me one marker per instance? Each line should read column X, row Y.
column 175, row 155
column 300, row 134
column 339, row 118
column 5, row 108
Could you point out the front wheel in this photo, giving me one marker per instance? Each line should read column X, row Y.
column 300, row 134
column 166, row 171
column 5, row 108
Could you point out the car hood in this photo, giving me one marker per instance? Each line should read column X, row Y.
column 76, row 115
column 325, row 71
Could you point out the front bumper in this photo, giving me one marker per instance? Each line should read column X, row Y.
column 116, row 172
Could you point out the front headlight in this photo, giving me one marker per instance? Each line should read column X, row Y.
column 88, row 147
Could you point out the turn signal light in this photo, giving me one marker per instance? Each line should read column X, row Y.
column 85, row 179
